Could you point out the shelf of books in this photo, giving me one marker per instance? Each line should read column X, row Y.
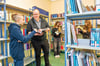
column 82, row 33
column 3, row 39
column 3, row 57
column 94, row 15
column 58, row 17
column 28, row 50
column 83, row 47
column 10, row 9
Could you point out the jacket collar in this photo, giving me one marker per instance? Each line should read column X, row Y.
column 16, row 25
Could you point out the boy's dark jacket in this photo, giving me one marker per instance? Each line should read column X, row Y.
column 17, row 48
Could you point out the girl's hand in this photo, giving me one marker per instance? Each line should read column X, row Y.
column 19, row 41
column 38, row 34
column 84, row 31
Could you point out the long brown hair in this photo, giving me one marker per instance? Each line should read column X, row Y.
column 55, row 25
column 88, row 26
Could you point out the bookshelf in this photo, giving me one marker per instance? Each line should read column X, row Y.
column 3, row 57
column 82, row 46
column 3, row 39
column 8, row 10
column 57, row 17
column 28, row 60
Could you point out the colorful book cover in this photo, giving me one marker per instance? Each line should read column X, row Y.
column 97, row 5
column 74, row 35
column 24, row 32
column 97, row 36
column 69, row 33
column 79, row 6
column 87, row 60
column 92, row 37
column 68, row 6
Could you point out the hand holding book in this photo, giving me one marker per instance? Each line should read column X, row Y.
column 41, row 30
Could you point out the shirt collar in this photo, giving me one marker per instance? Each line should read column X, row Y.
column 39, row 20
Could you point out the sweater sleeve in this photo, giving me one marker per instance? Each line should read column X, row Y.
column 53, row 32
column 29, row 27
column 15, row 32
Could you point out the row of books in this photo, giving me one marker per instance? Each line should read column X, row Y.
column 11, row 64
column 26, row 46
column 95, row 37
column 53, row 23
column 0, row 64
column 81, row 58
column 62, row 39
column 93, row 40
column 77, row 6
column 71, row 34
column 1, row 1
column 60, row 15
column 24, row 32
column 8, row 49
column 9, row 17
column 80, row 22
column 27, row 52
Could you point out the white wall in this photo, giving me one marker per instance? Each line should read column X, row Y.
column 26, row 4
column 57, row 6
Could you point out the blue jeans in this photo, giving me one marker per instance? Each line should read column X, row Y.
column 56, row 46
column 18, row 62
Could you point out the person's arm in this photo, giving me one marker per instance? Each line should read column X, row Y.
column 18, row 35
column 29, row 28
column 48, row 27
column 53, row 32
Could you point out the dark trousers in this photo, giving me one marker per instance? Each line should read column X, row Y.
column 18, row 62
column 38, row 45
column 56, row 46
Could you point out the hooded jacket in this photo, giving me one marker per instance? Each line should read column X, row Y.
column 17, row 48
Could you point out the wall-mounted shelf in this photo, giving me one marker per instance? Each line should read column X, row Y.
column 83, row 47
column 87, row 15
column 3, row 57
column 3, row 39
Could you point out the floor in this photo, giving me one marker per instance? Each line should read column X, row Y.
column 53, row 61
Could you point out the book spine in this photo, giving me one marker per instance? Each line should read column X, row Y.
column 92, row 38
column 97, row 42
column 69, row 36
